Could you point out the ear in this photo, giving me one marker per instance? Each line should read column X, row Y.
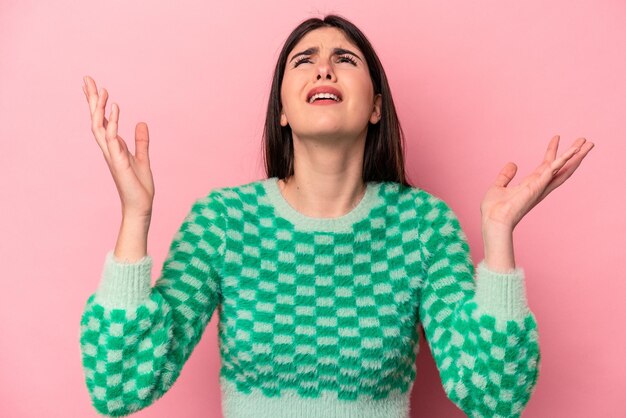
column 283, row 119
column 376, row 113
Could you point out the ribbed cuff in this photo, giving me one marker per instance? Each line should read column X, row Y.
column 124, row 285
column 502, row 295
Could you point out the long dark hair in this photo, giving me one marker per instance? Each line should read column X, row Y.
column 383, row 158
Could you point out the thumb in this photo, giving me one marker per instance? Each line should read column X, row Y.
column 142, row 140
column 506, row 174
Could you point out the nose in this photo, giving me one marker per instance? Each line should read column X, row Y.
column 324, row 70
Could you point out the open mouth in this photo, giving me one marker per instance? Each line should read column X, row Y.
column 324, row 98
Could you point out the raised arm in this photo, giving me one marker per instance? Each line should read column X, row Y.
column 131, row 173
column 134, row 338
column 481, row 333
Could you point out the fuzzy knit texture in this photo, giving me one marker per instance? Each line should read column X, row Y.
column 318, row 317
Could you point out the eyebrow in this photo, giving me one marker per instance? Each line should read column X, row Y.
column 315, row 50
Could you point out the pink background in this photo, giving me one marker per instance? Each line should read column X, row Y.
column 476, row 84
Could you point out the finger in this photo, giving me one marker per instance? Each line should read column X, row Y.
column 98, row 114
column 87, row 97
column 122, row 145
column 567, row 170
column 114, row 117
column 92, row 93
column 94, row 98
column 573, row 150
column 111, row 130
column 142, row 141
column 552, row 148
column 506, row 174
column 105, row 121
column 572, row 164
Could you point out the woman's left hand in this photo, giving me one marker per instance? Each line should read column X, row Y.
column 504, row 207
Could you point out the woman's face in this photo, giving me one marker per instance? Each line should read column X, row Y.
column 324, row 58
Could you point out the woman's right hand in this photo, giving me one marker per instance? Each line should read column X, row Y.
column 131, row 174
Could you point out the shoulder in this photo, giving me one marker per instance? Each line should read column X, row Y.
column 429, row 215
column 415, row 200
column 230, row 201
column 238, row 192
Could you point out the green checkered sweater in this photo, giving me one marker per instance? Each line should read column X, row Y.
column 318, row 317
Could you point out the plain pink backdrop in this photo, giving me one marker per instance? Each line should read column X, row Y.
column 476, row 84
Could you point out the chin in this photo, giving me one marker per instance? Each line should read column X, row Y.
column 326, row 134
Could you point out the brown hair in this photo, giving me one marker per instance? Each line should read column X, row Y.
column 383, row 158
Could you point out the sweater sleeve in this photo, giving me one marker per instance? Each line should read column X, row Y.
column 481, row 333
column 134, row 338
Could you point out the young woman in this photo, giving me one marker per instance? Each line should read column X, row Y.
column 322, row 272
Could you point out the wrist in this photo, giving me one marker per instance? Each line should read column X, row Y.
column 498, row 246
column 136, row 221
column 489, row 226
column 132, row 241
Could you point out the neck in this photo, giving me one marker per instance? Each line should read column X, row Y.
column 328, row 176
column 322, row 198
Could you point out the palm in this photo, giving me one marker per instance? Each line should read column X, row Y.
column 131, row 173
column 508, row 205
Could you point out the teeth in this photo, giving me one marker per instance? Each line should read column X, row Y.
column 323, row 96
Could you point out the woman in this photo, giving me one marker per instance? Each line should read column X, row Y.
column 323, row 271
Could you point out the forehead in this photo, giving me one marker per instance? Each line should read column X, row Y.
column 324, row 38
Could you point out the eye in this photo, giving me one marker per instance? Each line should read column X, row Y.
column 300, row 61
column 342, row 58
column 348, row 58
